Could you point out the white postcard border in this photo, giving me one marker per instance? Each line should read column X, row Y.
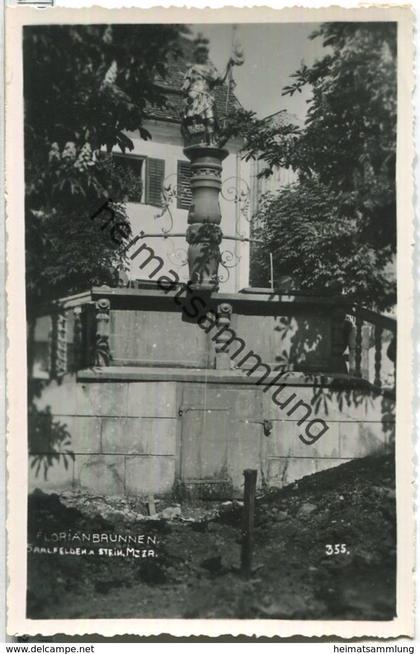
column 16, row 333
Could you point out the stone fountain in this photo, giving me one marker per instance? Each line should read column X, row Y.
column 154, row 403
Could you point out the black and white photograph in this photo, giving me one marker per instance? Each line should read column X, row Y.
column 213, row 235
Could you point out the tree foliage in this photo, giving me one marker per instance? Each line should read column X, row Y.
column 85, row 87
column 337, row 226
column 322, row 251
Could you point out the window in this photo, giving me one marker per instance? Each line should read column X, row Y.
column 155, row 175
column 183, row 185
column 131, row 169
column 143, row 179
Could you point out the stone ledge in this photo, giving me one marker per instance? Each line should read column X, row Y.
column 214, row 376
column 244, row 298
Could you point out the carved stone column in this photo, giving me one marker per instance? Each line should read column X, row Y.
column 59, row 345
column 204, row 234
column 102, row 351
column 78, row 359
column 224, row 317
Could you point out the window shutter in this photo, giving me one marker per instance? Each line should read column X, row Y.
column 155, row 173
column 183, row 185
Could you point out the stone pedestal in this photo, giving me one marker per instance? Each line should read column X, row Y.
column 204, row 234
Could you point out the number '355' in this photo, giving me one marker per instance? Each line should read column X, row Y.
column 336, row 548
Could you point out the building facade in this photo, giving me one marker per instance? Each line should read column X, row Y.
column 160, row 210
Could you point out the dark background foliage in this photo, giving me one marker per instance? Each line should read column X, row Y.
column 336, row 226
column 85, row 87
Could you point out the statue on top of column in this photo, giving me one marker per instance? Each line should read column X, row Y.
column 199, row 116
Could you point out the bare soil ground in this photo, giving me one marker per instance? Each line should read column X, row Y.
column 196, row 574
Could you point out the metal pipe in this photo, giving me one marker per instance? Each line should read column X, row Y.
column 248, row 521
